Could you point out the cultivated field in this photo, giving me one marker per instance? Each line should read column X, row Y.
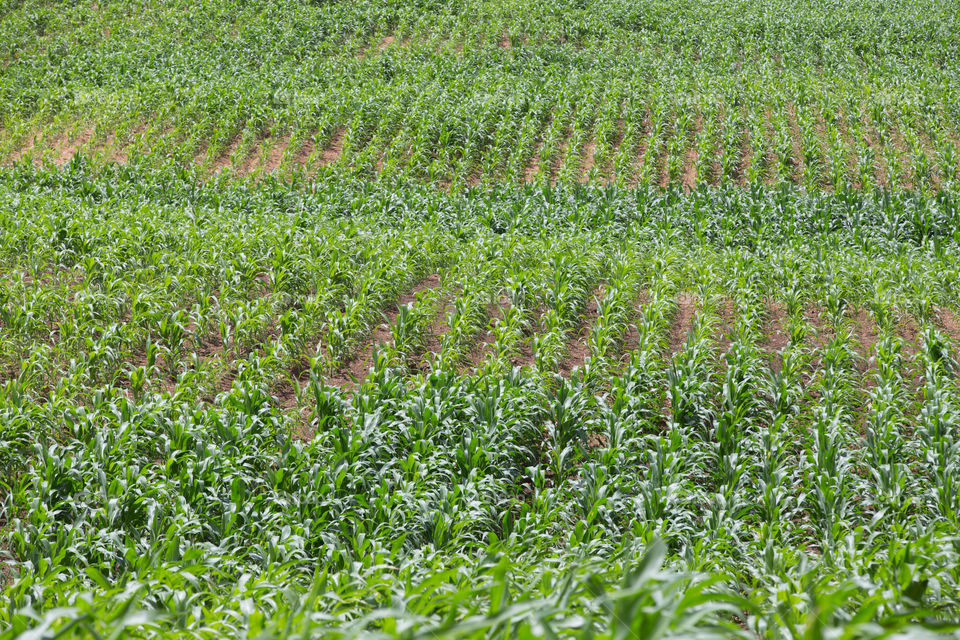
column 820, row 94
column 586, row 319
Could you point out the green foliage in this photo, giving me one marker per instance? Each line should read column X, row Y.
column 479, row 319
column 198, row 438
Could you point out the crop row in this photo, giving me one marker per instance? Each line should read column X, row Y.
column 490, row 92
column 613, row 142
column 209, row 390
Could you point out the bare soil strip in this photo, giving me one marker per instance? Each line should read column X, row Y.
column 820, row 129
column 334, row 148
column 716, row 167
column 577, row 350
column 643, row 138
column 865, row 332
column 729, row 315
column 487, row 340
column 687, row 306
column 908, row 179
column 587, row 161
column 434, row 341
column 226, row 158
column 663, row 155
column 873, row 142
column 771, row 161
column 533, row 165
column 62, row 149
column 776, row 336
column 25, row 147
column 746, row 155
column 797, row 161
column 305, row 152
column 949, row 323
column 850, row 150
column 618, row 135
column 688, row 178
column 252, row 159
column 358, row 367
column 557, row 161
column 275, row 155
column 927, row 146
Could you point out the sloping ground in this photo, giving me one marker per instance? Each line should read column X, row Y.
column 480, row 92
column 291, row 153
column 247, row 382
column 475, row 319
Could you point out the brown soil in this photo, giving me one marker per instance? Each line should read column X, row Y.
column 349, row 376
column 118, row 152
column 663, row 157
column 770, row 159
column 896, row 138
column 302, row 431
column 746, row 155
column 630, row 339
column 687, row 306
column 728, row 324
column 304, row 153
column 688, row 179
column 949, row 323
column 643, row 141
column 473, row 178
column 587, row 162
column 616, row 143
column 360, row 366
column 198, row 157
column 865, row 331
column 909, row 331
column 823, row 331
column 434, row 339
column 275, row 155
column 632, row 335
column 334, row 148
column 577, row 354
column 7, row 573
column 716, row 167
column 525, row 357
column 597, row 440
column 932, row 162
column 577, row 350
column 386, row 42
column 776, row 337
column 224, row 160
column 25, row 147
column 820, row 129
column 533, row 165
column 850, row 147
column 252, row 159
column 487, row 340
column 879, row 164
column 557, row 161
column 796, row 150
column 64, row 148
column 504, row 42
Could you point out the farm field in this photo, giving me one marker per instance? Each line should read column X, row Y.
column 409, row 319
